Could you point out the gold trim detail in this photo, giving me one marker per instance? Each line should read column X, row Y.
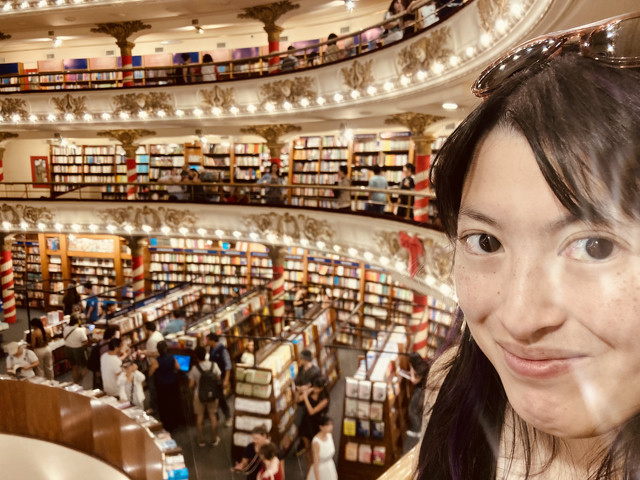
column 268, row 14
column 151, row 102
column 12, row 106
column 218, row 97
column 489, row 10
column 7, row 135
column 69, row 104
column 423, row 53
column 289, row 90
column 417, row 123
column 17, row 214
column 294, row 226
column 358, row 76
column 154, row 217
column 125, row 137
column 271, row 133
column 121, row 31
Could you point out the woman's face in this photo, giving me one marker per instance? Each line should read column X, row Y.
column 258, row 439
column 328, row 428
column 397, row 6
column 552, row 301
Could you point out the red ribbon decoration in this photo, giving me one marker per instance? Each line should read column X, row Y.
column 416, row 252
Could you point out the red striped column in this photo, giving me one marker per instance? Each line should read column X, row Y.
column 277, row 254
column 132, row 176
column 6, row 279
column 419, row 322
column 138, row 247
column 127, row 72
column 273, row 36
column 421, row 178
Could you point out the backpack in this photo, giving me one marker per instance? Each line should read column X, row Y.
column 93, row 362
column 209, row 387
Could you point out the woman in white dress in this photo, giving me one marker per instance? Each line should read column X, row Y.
column 323, row 452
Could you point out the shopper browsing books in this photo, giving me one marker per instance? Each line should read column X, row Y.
column 165, row 373
column 111, row 368
column 316, row 403
column 75, row 347
column 130, row 384
column 21, row 361
column 271, row 466
column 251, row 463
column 219, row 354
column 204, row 369
column 323, row 450
column 39, row 342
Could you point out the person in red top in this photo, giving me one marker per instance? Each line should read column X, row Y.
column 271, row 465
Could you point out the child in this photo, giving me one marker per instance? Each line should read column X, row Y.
column 131, row 385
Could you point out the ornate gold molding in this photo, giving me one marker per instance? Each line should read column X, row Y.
column 69, row 104
column 423, row 53
column 291, row 90
column 121, row 31
column 17, row 214
column 417, row 123
column 294, row 226
column 126, row 137
column 358, row 76
column 137, row 245
column 489, row 10
column 268, row 14
column 153, row 217
column 218, row 97
column 7, row 136
column 271, row 133
column 151, row 102
column 277, row 255
column 12, row 106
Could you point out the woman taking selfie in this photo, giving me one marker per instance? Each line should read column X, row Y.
column 539, row 189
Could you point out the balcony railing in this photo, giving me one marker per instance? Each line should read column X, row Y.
column 350, row 46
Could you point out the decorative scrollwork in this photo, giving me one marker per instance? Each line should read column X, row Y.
column 489, row 10
column 69, row 104
column 271, row 133
column 132, row 103
column 17, row 214
column 269, row 14
column 13, row 106
column 359, row 75
column 218, row 97
column 425, row 52
column 153, row 217
column 298, row 226
column 290, row 90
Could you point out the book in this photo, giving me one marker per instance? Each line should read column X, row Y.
column 349, row 427
column 364, row 453
column 351, row 452
column 363, row 409
column 378, row 455
column 377, row 430
column 376, row 411
column 364, row 389
column 379, row 391
column 363, row 428
column 351, row 387
column 350, row 407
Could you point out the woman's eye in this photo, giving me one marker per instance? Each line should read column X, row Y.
column 481, row 243
column 594, row 248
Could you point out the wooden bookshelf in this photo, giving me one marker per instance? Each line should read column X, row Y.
column 27, row 271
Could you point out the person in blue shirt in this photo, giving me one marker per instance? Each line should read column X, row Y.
column 91, row 309
column 273, row 195
column 377, row 200
column 219, row 354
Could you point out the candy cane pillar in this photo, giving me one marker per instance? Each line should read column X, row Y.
column 422, row 163
column 273, row 36
column 419, row 323
column 6, row 275
column 277, row 255
column 132, row 173
column 138, row 247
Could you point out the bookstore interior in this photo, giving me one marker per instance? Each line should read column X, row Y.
column 270, row 303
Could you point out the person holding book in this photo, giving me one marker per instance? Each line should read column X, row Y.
column 539, row 190
column 130, row 384
column 251, row 462
column 316, row 403
column 323, row 449
column 21, row 361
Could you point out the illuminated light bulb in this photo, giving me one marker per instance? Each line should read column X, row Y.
column 388, row 86
column 69, row 116
column 446, row 290
column 304, row 242
column 41, row 226
column 51, row 117
column 15, row 117
column 321, row 101
column 166, row 230
column 24, row 5
column 304, row 102
column 470, row 52
column 236, row 234
column 384, row 261
column 143, row 114
column 6, row 225
column 87, row 117
column 179, row 113
column 516, row 9
column 75, row 227
column 93, row 228
column 338, row 97
column 501, row 25
column 287, row 105
column 234, row 110
column 437, row 68
column 336, row 248
column 59, row 2
column 430, row 280
column 485, row 39
column 183, row 230
column 371, row 90
column 128, row 228
column 269, row 107
column 161, row 113
column 404, row 80
column 251, row 108
column 7, row 7
column 197, row 112
column 272, row 237
column 399, row 265
column 348, row 134
column 254, row 236
column 287, row 240
column 111, row 228
column 202, row 232
column 219, row 233
column 368, row 255
column 146, row 228
column 320, row 244
column 42, row 3
column 421, row 75
column 23, row 225
column 58, row 226
column 106, row 116
column 353, row 252
column 450, row 106
column 355, row 94
column 454, row 60
column 33, row 118
column 124, row 115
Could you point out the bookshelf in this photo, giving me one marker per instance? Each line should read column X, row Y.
column 247, row 161
column 27, row 271
column 375, row 410
column 9, row 77
column 218, row 160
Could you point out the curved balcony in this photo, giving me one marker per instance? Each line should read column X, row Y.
column 367, row 87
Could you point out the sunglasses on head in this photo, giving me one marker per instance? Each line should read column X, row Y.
column 614, row 41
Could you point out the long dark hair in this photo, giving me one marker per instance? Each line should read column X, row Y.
column 38, row 325
column 582, row 121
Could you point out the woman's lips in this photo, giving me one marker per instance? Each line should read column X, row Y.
column 537, row 365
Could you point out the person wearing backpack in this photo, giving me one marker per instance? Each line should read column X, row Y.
column 204, row 378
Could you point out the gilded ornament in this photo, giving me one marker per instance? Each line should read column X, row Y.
column 17, row 214
column 7, row 135
column 132, row 103
column 489, row 10
column 290, row 90
column 13, row 106
column 271, row 133
column 268, row 14
column 218, row 97
column 126, row 137
column 294, row 226
column 422, row 54
column 69, row 104
column 358, row 76
column 154, row 217
column 121, row 31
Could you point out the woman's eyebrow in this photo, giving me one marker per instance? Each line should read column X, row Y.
column 476, row 215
